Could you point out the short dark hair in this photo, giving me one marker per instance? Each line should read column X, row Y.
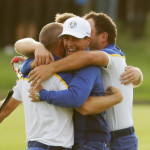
column 103, row 23
column 61, row 18
column 49, row 35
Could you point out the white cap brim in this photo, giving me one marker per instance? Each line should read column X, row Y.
column 75, row 34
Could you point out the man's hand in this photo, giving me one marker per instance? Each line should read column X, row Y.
column 114, row 91
column 42, row 55
column 39, row 74
column 131, row 75
column 33, row 91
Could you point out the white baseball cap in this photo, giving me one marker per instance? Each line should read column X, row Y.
column 77, row 27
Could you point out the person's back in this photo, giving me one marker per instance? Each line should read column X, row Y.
column 43, row 120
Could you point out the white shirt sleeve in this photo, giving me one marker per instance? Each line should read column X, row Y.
column 109, row 61
column 55, row 83
column 17, row 91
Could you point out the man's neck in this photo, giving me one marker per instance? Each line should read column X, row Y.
column 58, row 53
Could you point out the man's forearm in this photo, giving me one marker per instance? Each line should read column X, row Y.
column 26, row 47
column 140, row 80
column 78, row 61
column 9, row 108
column 78, row 91
column 95, row 105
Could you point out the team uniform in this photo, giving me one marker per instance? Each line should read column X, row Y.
column 91, row 131
column 48, row 127
column 119, row 117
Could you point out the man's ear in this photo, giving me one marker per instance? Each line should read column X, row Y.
column 89, row 40
column 104, row 36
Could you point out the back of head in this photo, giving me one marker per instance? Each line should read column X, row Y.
column 49, row 35
column 61, row 18
column 103, row 23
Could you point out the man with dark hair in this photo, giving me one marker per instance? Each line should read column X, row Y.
column 105, row 31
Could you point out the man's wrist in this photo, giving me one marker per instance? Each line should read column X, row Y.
column 52, row 68
column 140, row 79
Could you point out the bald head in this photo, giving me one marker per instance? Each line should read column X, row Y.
column 49, row 35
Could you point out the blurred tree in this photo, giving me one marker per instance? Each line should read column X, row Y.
column 134, row 14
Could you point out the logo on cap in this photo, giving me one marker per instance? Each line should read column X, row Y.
column 73, row 24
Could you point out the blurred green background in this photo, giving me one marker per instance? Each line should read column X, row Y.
column 137, row 54
column 134, row 44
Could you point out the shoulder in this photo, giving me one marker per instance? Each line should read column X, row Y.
column 113, row 50
column 65, row 76
column 59, row 81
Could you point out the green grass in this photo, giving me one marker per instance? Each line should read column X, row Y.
column 142, row 123
column 13, row 133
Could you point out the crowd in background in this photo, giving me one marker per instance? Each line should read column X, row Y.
column 25, row 18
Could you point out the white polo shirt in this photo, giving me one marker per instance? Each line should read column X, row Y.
column 44, row 122
column 119, row 116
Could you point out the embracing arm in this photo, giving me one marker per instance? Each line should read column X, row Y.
column 80, row 60
column 132, row 75
column 98, row 104
column 10, row 107
column 78, row 91
column 31, row 48
column 26, row 46
column 72, row 62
